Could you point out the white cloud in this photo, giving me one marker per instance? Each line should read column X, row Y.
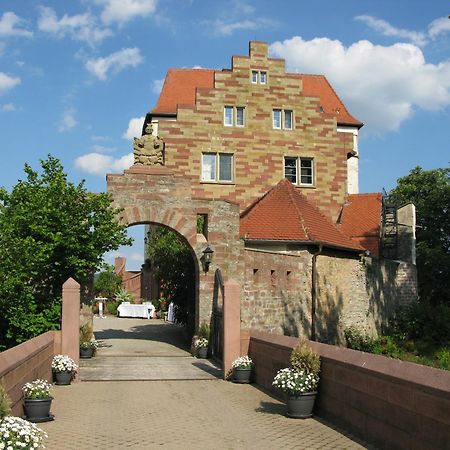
column 387, row 29
column 96, row 148
column 7, row 82
column 68, row 120
column 99, row 164
column 381, row 85
column 80, row 27
column 116, row 62
column 134, row 128
column 221, row 27
column 122, row 11
column 10, row 25
column 157, row 86
column 8, row 107
column 439, row 26
column 138, row 257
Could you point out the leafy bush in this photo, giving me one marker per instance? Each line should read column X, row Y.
column 385, row 345
column 111, row 307
column 305, row 359
column 107, row 282
column 123, row 296
column 357, row 340
column 86, row 333
column 5, row 403
column 443, row 358
column 204, row 330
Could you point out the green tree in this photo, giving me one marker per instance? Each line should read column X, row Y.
column 429, row 190
column 50, row 230
column 107, row 282
column 175, row 270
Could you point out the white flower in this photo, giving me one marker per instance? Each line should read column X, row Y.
column 244, row 362
column 63, row 363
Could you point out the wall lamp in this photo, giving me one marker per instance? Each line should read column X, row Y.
column 207, row 258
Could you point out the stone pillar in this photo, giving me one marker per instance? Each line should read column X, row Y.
column 231, row 324
column 70, row 323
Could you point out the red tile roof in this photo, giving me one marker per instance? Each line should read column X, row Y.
column 318, row 86
column 285, row 214
column 361, row 220
column 180, row 86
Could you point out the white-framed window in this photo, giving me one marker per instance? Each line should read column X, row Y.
column 228, row 116
column 258, row 76
column 217, row 167
column 299, row 170
column 263, row 77
column 282, row 119
column 234, row 116
column 276, row 119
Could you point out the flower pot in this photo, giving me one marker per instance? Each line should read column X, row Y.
column 86, row 352
column 63, row 378
column 202, row 352
column 37, row 409
column 301, row 405
column 241, row 375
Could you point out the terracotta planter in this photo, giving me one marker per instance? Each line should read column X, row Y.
column 37, row 410
column 301, row 405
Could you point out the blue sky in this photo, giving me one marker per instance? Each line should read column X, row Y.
column 77, row 77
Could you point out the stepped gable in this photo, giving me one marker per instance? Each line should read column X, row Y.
column 285, row 214
column 361, row 220
column 180, row 86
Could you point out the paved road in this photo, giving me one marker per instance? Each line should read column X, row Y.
column 176, row 414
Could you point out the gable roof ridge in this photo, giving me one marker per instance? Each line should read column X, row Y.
column 292, row 192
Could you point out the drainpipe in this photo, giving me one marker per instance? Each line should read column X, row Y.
column 314, row 292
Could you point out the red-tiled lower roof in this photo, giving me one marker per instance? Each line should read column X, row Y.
column 361, row 220
column 285, row 214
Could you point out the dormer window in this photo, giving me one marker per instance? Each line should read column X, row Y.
column 259, row 76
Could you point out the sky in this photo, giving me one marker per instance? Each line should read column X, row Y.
column 77, row 77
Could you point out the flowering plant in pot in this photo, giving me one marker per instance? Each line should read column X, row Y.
column 242, row 369
column 37, row 400
column 299, row 382
column 64, row 369
column 201, row 347
column 17, row 433
column 88, row 348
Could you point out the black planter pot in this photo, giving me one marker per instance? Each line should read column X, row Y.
column 86, row 352
column 301, row 405
column 202, row 352
column 63, row 378
column 241, row 375
column 37, row 410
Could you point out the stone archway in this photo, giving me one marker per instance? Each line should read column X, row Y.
column 153, row 194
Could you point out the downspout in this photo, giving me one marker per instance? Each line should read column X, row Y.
column 314, row 292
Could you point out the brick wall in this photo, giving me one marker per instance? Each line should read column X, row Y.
column 258, row 148
column 27, row 362
column 351, row 291
column 390, row 403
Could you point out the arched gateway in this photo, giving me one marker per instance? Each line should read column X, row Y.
column 154, row 194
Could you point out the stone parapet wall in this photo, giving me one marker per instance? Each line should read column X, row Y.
column 390, row 403
column 27, row 362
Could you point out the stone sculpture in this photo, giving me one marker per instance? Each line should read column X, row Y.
column 148, row 149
